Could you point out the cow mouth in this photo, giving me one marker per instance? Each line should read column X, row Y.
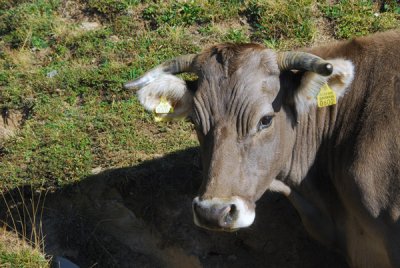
column 218, row 229
column 219, row 214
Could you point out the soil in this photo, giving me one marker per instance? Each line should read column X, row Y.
column 141, row 217
column 9, row 123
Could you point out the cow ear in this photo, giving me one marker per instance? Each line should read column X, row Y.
column 167, row 96
column 311, row 84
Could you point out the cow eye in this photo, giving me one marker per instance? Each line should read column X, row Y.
column 265, row 122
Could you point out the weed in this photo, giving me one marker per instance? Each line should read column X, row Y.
column 126, row 25
column 23, row 246
column 109, row 8
column 29, row 24
column 51, row 151
column 236, row 36
column 176, row 14
column 356, row 18
column 21, row 255
column 282, row 21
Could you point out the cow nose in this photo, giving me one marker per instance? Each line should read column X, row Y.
column 224, row 214
column 215, row 216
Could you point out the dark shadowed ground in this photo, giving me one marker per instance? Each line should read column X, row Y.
column 141, row 217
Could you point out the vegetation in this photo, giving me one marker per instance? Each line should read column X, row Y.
column 356, row 18
column 290, row 22
column 18, row 254
column 62, row 64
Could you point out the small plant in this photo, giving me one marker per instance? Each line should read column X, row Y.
column 356, row 18
column 21, row 236
column 176, row 14
column 282, row 20
column 109, row 8
column 29, row 24
column 236, row 36
column 51, row 152
column 125, row 25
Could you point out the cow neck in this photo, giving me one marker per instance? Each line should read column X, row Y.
column 313, row 133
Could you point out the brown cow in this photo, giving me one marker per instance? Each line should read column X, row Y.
column 259, row 126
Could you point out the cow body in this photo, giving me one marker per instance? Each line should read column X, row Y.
column 260, row 129
column 360, row 162
column 355, row 177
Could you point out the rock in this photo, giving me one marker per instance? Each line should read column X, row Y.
column 90, row 26
column 114, row 38
column 9, row 123
column 51, row 74
column 96, row 170
column 60, row 262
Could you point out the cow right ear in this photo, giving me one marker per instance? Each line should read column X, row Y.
column 167, row 96
column 312, row 83
column 322, row 81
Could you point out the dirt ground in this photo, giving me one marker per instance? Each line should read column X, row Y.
column 141, row 217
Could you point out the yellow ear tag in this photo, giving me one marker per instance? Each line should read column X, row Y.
column 164, row 107
column 326, row 96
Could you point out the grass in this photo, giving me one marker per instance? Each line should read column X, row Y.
column 22, row 219
column 16, row 253
column 288, row 23
column 65, row 78
column 359, row 17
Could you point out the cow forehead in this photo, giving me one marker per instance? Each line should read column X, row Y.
column 245, row 68
column 227, row 59
column 255, row 61
column 239, row 87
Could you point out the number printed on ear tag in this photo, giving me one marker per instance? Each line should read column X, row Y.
column 326, row 96
column 164, row 107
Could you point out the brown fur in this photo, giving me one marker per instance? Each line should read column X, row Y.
column 342, row 163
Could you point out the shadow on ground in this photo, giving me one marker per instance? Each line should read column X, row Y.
column 141, row 217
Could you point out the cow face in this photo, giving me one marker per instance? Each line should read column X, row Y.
column 244, row 107
column 237, row 120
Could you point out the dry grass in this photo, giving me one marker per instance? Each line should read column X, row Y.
column 21, row 236
column 15, row 252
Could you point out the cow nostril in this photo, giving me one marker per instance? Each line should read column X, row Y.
column 233, row 209
column 215, row 215
column 229, row 217
column 196, row 207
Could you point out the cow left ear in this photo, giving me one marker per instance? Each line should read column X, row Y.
column 311, row 84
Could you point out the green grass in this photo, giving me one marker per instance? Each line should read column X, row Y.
column 285, row 22
column 359, row 17
column 66, row 80
column 29, row 24
column 19, row 255
column 176, row 13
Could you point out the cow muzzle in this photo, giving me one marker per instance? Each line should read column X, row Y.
column 223, row 214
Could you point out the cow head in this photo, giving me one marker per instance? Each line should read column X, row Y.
column 244, row 106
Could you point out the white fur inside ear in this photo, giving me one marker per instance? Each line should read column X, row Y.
column 311, row 83
column 169, row 87
column 342, row 76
